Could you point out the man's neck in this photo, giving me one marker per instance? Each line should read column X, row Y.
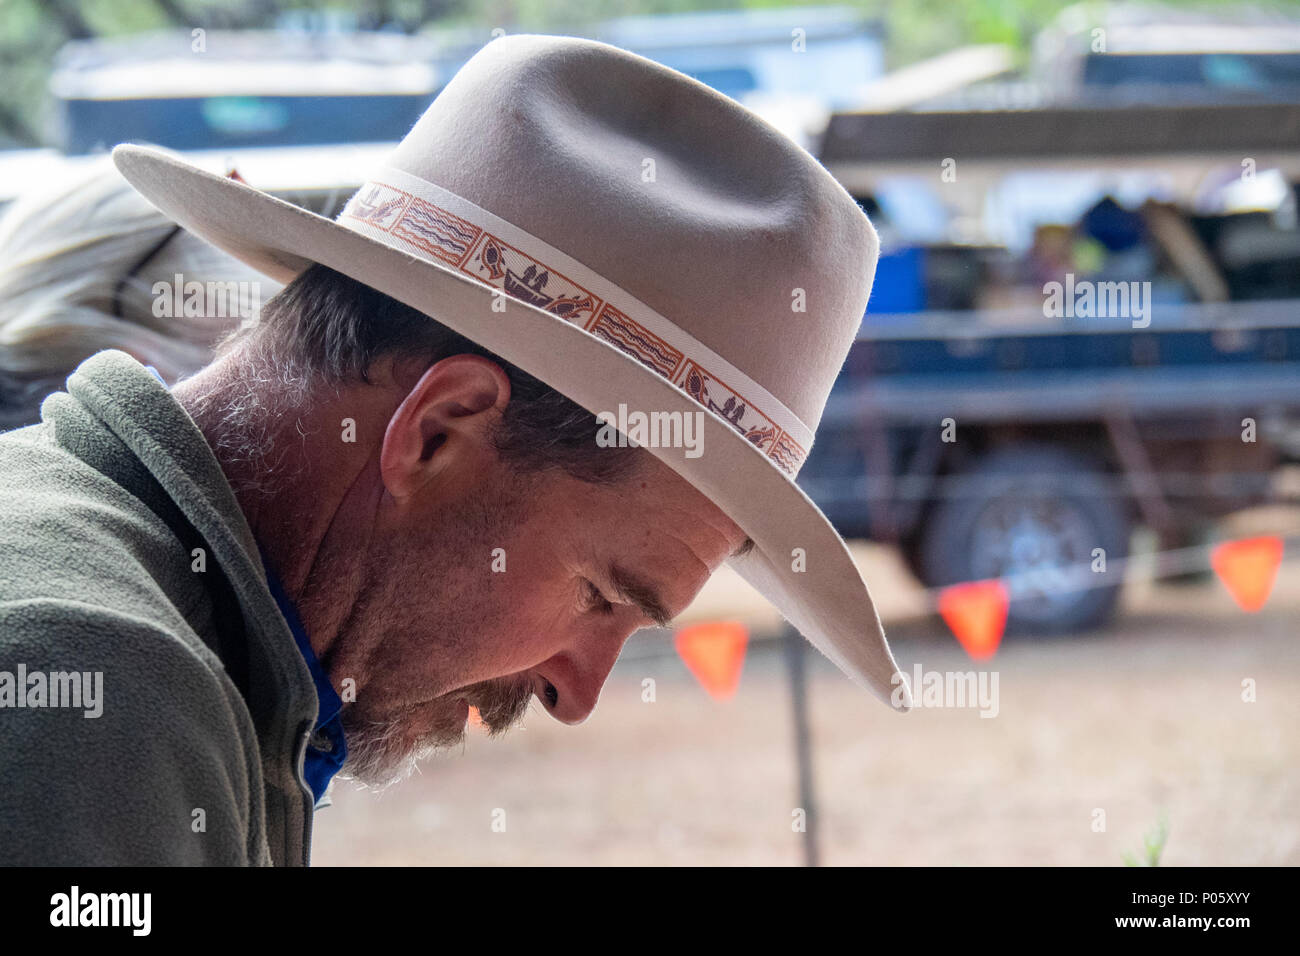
column 307, row 481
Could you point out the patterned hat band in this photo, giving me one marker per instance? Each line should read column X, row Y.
column 427, row 221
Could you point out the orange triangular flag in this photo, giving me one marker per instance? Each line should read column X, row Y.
column 1248, row 569
column 977, row 613
column 715, row 654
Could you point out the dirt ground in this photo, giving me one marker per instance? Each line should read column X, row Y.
column 1142, row 720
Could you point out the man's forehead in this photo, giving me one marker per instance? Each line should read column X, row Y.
column 702, row 510
column 647, row 591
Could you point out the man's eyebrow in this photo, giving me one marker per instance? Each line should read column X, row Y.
column 638, row 592
column 744, row 549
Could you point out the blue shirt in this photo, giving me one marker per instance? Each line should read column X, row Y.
column 327, row 748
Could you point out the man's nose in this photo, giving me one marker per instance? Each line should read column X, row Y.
column 569, row 683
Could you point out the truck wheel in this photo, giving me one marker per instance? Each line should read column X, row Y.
column 1033, row 514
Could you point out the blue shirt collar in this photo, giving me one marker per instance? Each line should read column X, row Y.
column 327, row 748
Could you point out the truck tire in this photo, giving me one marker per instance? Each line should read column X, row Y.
column 1032, row 514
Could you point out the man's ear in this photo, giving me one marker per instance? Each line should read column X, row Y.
column 443, row 426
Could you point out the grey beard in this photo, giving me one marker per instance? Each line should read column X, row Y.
column 378, row 757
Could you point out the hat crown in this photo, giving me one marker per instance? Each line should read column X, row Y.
column 667, row 189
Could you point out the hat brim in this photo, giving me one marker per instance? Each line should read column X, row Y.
column 827, row 601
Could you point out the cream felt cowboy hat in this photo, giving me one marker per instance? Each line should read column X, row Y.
column 659, row 247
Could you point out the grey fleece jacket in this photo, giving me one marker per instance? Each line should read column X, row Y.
column 124, row 554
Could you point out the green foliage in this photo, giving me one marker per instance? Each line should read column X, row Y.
column 1153, row 845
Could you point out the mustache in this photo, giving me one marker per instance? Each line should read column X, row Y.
column 501, row 702
column 381, row 753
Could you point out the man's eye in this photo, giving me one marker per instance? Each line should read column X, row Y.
column 596, row 601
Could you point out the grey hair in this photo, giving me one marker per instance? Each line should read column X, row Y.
column 242, row 420
column 79, row 260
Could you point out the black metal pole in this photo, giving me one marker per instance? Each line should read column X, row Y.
column 796, row 667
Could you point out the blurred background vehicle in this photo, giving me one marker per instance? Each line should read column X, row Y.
column 983, row 427
column 241, row 89
column 1169, row 418
column 1150, row 152
column 1142, row 53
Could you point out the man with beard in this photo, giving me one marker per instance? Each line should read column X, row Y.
column 385, row 502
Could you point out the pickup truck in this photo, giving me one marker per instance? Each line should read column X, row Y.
column 1014, row 441
column 985, row 450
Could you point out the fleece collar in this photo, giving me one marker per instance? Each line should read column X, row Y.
column 139, row 410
